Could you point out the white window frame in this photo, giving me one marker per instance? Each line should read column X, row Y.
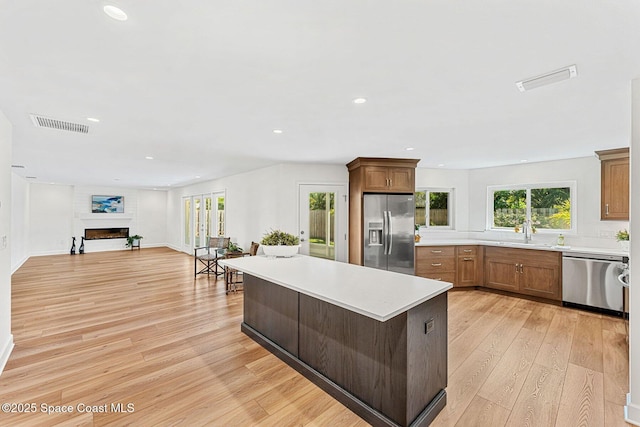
column 528, row 187
column 450, row 207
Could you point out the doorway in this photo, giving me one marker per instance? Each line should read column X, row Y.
column 323, row 221
column 203, row 217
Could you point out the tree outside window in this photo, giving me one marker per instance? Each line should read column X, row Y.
column 438, row 213
column 548, row 208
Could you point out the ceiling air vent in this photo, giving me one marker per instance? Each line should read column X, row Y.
column 46, row 122
column 565, row 73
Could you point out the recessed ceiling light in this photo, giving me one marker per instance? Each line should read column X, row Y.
column 93, row 119
column 115, row 13
column 440, row 165
column 197, row 176
column 149, row 158
column 359, row 101
column 524, row 161
column 409, row 148
column 277, row 131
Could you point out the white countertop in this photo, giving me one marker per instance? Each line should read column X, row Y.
column 378, row 294
column 522, row 245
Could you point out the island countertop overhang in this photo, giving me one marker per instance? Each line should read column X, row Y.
column 377, row 294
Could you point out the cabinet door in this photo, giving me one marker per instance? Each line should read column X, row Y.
column 467, row 271
column 541, row 281
column 376, row 178
column 615, row 189
column 402, row 179
column 502, row 274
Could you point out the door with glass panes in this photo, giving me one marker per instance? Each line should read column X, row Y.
column 323, row 221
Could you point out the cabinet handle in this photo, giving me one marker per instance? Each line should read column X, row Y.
column 467, row 251
column 390, row 182
column 436, row 252
column 467, row 259
column 606, row 209
column 521, row 268
column 436, row 264
column 516, row 268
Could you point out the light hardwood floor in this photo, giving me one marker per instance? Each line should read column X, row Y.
column 134, row 327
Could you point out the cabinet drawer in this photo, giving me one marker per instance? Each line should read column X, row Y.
column 444, row 277
column 467, row 250
column 436, row 265
column 428, row 252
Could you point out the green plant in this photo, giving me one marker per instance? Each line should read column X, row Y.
column 417, row 227
column 233, row 247
column 277, row 237
column 622, row 235
column 130, row 239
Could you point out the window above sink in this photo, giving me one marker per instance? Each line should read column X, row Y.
column 549, row 206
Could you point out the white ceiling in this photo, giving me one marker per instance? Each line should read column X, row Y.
column 200, row 85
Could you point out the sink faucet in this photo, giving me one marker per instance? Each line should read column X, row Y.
column 527, row 230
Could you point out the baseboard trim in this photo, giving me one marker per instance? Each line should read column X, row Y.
column 7, row 348
column 631, row 412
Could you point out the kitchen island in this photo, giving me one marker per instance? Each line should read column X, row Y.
column 375, row 340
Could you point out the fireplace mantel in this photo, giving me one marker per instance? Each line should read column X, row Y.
column 103, row 216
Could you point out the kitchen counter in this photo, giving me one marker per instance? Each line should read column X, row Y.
column 375, row 340
column 522, row 245
column 374, row 293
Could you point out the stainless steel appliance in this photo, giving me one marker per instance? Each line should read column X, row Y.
column 389, row 232
column 591, row 281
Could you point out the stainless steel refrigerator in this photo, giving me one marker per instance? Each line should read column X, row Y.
column 389, row 232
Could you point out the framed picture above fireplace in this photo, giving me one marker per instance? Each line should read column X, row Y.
column 107, row 204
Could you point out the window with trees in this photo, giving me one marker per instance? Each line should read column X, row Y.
column 434, row 208
column 548, row 207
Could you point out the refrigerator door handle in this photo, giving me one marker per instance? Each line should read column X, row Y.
column 390, row 232
column 385, row 231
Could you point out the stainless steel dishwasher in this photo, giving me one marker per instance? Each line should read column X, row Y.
column 590, row 281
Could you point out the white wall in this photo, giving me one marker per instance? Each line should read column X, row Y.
column 6, row 339
column 448, row 178
column 633, row 399
column 58, row 212
column 256, row 201
column 591, row 231
column 19, row 221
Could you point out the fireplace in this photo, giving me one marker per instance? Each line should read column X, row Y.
column 105, row 233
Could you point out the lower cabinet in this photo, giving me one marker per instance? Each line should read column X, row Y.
column 524, row 271
column 469, row 266
column 436, row 262
column 460, row 265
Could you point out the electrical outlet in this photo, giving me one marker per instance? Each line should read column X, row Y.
column 4, row 242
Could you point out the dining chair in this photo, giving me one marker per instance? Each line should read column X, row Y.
column 206, row 257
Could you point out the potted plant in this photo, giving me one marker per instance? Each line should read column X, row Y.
column 133, row 241
column 623, row 237
column 278, row 243
column 417, row 238
column 233, row 247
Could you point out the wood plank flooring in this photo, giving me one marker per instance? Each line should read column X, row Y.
column 135, row 328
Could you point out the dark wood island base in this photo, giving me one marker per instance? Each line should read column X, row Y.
column 391, row 373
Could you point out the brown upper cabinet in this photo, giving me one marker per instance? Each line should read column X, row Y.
column 614, row 199
column 379, row 175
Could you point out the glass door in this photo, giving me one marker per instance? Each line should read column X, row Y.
column 203, row 217
column 322, row 220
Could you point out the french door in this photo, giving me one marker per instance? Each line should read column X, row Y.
column 323, row 219
column 203, row 217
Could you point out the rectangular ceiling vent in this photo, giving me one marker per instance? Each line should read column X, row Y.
column 46, row 122
column 565, row 73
